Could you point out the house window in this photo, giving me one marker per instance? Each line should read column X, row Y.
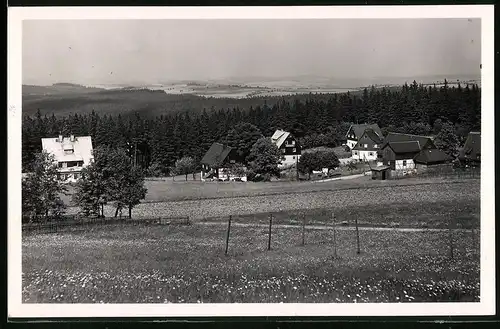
column 294, row 150
column 59, row 164
column 75, row 176
column 232, row 161
column 392, row 164
column 375, row 146
column 404, row 163
column 366, row 145
column 283, row 151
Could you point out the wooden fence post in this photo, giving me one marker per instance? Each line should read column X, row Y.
column 303, row 230
column 334, row 235
column 270, row 225
column 227, row 235
column 450, row 235
column 357, row 234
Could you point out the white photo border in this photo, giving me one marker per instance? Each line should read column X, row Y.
column 16, row 308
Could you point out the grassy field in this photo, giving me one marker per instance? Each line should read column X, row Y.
column 403, row 258
column 162, row 264
column 196, row 205
column 167, row 189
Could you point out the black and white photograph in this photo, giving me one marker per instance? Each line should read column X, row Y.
column 324, row 161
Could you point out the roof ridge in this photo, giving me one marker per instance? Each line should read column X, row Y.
column 390, row 132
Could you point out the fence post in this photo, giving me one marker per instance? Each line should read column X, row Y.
column 334, row 235
column 303, row 230
column 227, row 235
column 357, row 234
column 270, row 225
column 450, row 235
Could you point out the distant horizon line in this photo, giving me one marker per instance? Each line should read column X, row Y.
column 270, row 78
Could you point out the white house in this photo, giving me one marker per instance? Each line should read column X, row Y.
column 356, row 131
column 72, row 154
column 368, row 146
column 288, row 146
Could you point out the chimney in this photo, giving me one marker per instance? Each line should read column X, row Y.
column 72, row 138
column 60, row 138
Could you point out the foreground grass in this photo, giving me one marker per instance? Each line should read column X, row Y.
column 435, row 215
column 158, row 264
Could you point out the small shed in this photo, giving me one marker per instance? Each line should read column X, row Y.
column 381, row 173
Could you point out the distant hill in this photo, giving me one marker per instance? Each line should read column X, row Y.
column 63, row 99
column 124, row 101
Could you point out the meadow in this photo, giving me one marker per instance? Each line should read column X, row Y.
column 187, row 264
column 418, row 242
column 203, row 200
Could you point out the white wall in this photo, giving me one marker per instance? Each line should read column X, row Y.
column 362, row 155
column 409, row 164
column 351, row 143
column 224, row 175
column 289, row 160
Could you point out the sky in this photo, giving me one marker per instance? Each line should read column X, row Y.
column 155, row 51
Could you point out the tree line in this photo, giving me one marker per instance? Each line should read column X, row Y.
column 315, row 119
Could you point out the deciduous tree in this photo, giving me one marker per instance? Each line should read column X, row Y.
column 265, row 157
column 41, row 189
column 185, row 166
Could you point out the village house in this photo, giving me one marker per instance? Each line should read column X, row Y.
column 288, row 146
column 368, row 146
column 355, row 132
column 218, row 163
column 400, row 150
column 72, row 154
column 470, row 154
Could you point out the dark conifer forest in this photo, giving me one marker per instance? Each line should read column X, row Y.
column 315, row 119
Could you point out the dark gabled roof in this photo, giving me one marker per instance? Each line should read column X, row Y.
column 472, row 146
column 359, row 129
column 404, row 147
column 430, row 156
column 373, row 135
column 398, row 137
column 216, row 154
column 380, row 168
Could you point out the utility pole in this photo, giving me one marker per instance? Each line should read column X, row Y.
column 135, row 153
column 297, row 166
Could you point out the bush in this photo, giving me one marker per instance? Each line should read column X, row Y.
column 154, row 170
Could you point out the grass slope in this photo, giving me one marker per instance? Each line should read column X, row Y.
column 163, row 264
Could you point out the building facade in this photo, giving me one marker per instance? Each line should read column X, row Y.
column 222, row 162
column 355, row 132
column 470, row 154
column 288, row 146
column 368, row 146
column 72, row 154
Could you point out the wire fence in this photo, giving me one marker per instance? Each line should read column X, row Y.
column 451, row 173
column 83, row 224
